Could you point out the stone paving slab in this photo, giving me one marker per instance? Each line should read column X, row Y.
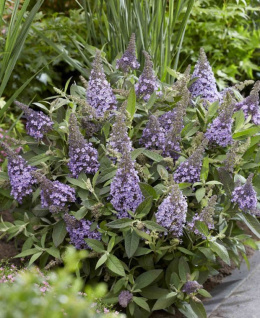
column 238, row 296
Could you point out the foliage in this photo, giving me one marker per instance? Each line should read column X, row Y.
column 14, row 38
column 32, row 293
column 159, row 267
column 229, row 34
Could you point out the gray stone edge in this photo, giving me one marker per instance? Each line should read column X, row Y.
column 230, row 283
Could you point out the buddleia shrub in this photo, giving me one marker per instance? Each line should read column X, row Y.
column 153, row 180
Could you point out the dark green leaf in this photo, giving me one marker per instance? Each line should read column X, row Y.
column 131, row 243
column 165, row 301
column 59, row 233
column 147, row 278
column 120, row 224
column 114, row 264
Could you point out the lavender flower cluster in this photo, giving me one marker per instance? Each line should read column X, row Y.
column 250, row 105
column 125, row 190
column 128, row 60
column 79, row 230
column 147, row 82
column 83, row 156
column 54, row 194
column 172, row 212
column 245, row 196
column 99, row 93
column 38, row 124
column 124, row 298
column 191, row 286
column 153, row 136
column 205, row 84
column 219, row 133
column 19, row 173
column 206, row 216
column 189, row 170
column 119, row 139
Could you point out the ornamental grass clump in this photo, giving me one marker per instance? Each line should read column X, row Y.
column 147, row 188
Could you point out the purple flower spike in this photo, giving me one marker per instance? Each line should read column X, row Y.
column 125, row 190
column 20, row 176
column 219, row 133
column 147, row 82
column 124, row 298
column 172, row 212
column 79, row 231
column 54, row 194
column 250, row 105
column 38, row 124
column 192, row 286
column 206, row 216
column 119, row 139
column 99, row 93
column 245, row 196
column 128, row 60
column 189, row 170
column 153, row 136
column 83, row 157
column 205, row 85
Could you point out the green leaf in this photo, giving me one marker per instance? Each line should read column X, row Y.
column 131, row 102
column 165, row 301
column 148, row 191
column 227, row 181
column 239, row 120
column 153, row 155
column 77, row 183
column 204, row 293
column 136, row 152
column 120, row 224
column 162, row 172
column 154, row 292
column 251, row 221
column 101, row 261
column 27, row 252
column 183, row 269
column 151, row 101
column 154, row 226
column 198, row 308
column 202, row 228
column 59, row 233
column 96, row 245
column 200, row 193
column 221, row 251
column 204, row 169
column 53, row 251
column 114, row 264
column 131, row 243
column 147, row 278
column 141, row 303
column 246, row 133
column 185, row 251
column 34, row 258
column 144, row 207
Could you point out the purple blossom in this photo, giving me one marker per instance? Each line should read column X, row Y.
column 167, row 119
column 147, row 82
column 128, row 60
column 250, row 105
column 54, row 194
column 219, row 132
column 38, row 124
column 206, row 216
column 245, row 196
column 79, row 230
column 124, row 298
column 83, row 157
column 153, row 136
column 172, row 212
column 125, row 190
column 19, row 173
column 173, row 136
column 189, row 170
column 119, row 139
column 205, row 84
column 191, row 286
column 99, row 93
